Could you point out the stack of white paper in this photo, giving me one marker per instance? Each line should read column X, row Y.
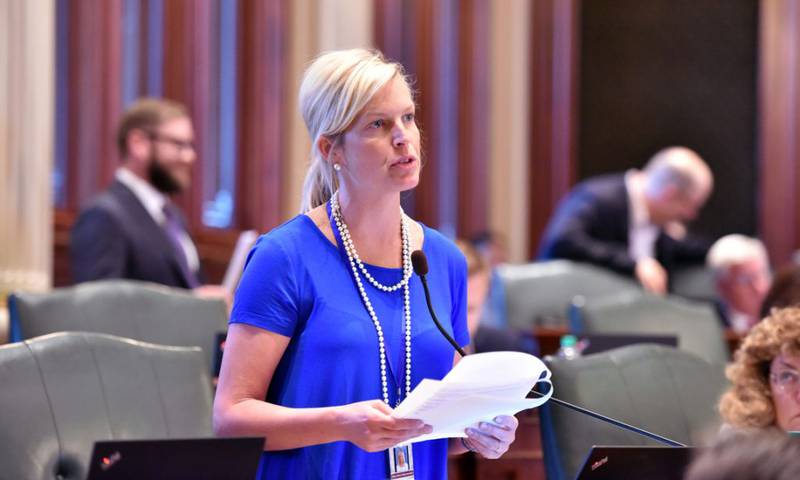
column 480, row 387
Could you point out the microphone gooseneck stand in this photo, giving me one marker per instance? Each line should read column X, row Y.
column 420, row 264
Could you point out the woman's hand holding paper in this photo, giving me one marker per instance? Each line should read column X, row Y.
column 492, row 439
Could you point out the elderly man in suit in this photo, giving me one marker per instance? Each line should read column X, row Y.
column 741, row 278
column 634, row 223
column 133, row 230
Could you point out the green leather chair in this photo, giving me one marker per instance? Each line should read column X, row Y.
column 539, row 294
column 664, row 390
column 138, row 310
column 695, row 324
column 62, row 392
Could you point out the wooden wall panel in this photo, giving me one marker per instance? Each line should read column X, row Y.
column 388, row 37
column 565, row 94
column 473, row 118
column 189, row 77
column 553, row 109
column 779, row 128
column 404, row 33
column 93, row 97
column 444, row 47
column 262, row 103
column 143, row 45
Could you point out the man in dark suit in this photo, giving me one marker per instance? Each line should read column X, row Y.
column 133, row 230
column 634, row 223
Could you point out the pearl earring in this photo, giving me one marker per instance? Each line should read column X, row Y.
column 337, row 167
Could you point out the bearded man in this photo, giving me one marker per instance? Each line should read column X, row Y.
column 133, row 230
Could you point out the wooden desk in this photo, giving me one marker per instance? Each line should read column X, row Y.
column 549, row 339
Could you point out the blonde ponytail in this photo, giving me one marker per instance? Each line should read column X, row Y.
column 319, row 184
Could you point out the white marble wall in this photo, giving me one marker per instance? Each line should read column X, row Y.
column 510, row 124
column 27, row 64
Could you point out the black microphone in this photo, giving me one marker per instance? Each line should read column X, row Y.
column 420, row 264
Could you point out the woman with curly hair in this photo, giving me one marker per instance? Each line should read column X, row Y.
column 766, row 375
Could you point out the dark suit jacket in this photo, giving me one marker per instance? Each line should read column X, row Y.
column 591, row 225
column 115, row 237
column 722, row 312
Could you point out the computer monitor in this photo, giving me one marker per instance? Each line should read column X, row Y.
column 173, row 459
column 601, row 342
column 635, row 463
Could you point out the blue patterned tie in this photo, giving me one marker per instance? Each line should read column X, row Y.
column 175, row 231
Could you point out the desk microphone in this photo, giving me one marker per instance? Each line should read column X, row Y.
column 420, row 264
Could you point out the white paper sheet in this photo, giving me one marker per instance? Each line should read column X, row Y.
column 480, row 387
column 235, row 266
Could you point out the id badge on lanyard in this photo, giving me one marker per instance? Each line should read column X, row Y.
column 401, row 462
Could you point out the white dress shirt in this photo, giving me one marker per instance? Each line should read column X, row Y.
column 642, row 234
column 740, row 322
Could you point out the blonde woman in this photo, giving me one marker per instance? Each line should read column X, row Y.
column 329, row 330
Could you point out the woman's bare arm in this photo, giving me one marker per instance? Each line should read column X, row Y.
column 251, row 357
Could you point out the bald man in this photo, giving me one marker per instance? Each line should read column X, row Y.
column 634, row 223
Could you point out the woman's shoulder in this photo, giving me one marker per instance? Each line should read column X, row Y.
column 441, row 247
column 293, row 236
column 287, row 250
column 436, row 239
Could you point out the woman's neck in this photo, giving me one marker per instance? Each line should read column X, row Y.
column 374, row 224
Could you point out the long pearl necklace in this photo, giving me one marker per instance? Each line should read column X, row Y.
column 356, row 265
